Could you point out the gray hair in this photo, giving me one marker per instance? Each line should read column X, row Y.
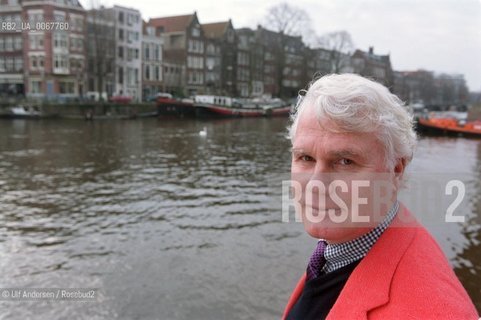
column 356, row 104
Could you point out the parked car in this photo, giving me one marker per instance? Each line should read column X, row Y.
column 121, row 99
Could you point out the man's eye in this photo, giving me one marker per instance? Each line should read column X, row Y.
column 306, row 158
column 346, row 162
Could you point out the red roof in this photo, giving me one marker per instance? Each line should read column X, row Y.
column 216, row 29
column 172, row 24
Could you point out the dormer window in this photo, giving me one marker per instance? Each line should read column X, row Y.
column 196, row 31
column 230, row 36
column 150, row 31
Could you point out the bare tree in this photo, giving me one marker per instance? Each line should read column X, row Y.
column 287, row 21
column 101, row 46
column 340, row 44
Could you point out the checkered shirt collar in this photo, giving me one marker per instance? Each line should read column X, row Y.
column 341, row 254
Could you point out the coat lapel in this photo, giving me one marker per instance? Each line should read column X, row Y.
column 369, row 284
column 295, row 295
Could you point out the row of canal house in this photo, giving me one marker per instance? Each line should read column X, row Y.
column 113, row 52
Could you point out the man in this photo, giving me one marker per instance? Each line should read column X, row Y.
column 374, row 261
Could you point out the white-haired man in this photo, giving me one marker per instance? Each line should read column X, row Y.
column 374, row 261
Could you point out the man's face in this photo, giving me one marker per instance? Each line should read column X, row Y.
column 353, row 159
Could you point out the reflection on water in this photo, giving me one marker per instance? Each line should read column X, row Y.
column 468, row 262
column 169, row 224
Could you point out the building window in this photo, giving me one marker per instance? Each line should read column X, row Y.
column 230, row 35
column 157, row 53
column 59, row 16
column 35, row 86
column 130, row 76
column 35, row 16
column 66, row 87
column 157, row 73
column 61, row 61
column 9, row 65
column 195, row 31
column 18, row 43
column 76, row 44
column 121, row 17
column 146, row 52
column 80, row 44
column 36, row 41
column 8, row 44
column 60, row 40
column 121, row 75
column 121, row 52
column 76, row 23
column 147, row 72
column 210, row 48
column 40, row 42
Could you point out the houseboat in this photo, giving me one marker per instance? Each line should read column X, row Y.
column 220, row 106
column 167, row 105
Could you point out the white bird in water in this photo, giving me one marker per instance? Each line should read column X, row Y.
column 203, row 133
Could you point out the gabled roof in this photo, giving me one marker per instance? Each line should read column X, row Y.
column 371, row 56
column 216, row 29
column 173, row 24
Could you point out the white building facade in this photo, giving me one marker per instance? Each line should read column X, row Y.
column 128, row 61
column 152, row 79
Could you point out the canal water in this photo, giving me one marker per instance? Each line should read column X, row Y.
column 168, row 224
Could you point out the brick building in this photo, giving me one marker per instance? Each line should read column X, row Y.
column 11, row 51
column 377, row 67
column 43, row 62
column 101, row 53
column 184, row 44
column 221, row 55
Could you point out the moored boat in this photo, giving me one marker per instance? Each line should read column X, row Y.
column 24, row 112
column 167, row 105
column 218, row 106
column 450, row 126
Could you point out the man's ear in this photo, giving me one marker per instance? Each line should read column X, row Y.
column 399, row 168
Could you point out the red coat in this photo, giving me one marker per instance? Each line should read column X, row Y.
column 405, row 275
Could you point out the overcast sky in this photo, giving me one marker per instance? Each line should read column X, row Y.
column 438, row 35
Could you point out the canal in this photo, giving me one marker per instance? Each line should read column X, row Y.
column 168, row 224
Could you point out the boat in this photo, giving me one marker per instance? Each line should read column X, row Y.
column 450, row 126
column 167, row 105
column 219, row 106
column 25, row 112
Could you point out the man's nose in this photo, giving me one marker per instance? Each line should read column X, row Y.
column 321, row 172
column 321, row 167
